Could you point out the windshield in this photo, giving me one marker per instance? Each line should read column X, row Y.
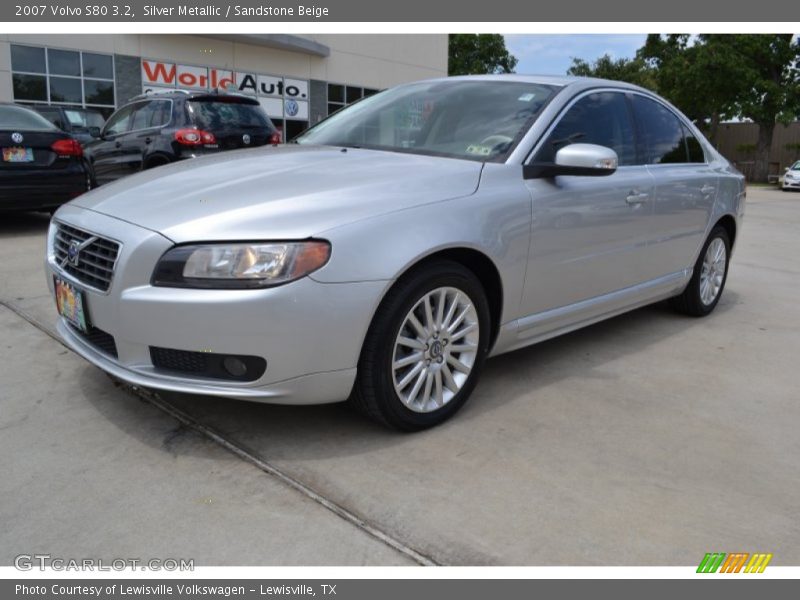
column 16, row 117
column 795, row 166
column 476, row 120
column 219, row 115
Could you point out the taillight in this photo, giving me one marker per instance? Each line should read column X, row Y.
column 194, row 137
column 68, row 147
column 275, row 138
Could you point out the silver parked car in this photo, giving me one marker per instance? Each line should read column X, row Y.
column 391, row 248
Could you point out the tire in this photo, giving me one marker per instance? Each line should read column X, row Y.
column 692, row 301
column 379, row 392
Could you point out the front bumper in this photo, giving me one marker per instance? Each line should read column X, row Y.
column 309, row 333
column 791, row 184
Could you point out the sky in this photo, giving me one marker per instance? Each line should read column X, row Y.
column 543, row 54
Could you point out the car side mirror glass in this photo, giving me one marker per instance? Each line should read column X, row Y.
column 95, row 132
column 588, row 160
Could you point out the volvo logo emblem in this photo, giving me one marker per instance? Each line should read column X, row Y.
column 74, row 253
column 16, row 137
column 246, row 138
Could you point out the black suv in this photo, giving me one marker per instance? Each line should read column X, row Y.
column 158, row 128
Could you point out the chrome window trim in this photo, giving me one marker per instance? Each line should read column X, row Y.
column 624, row 91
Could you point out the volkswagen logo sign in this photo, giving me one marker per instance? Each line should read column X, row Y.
column 74, row 253
column 246, row 138
column 292, row 108
column 16, row 137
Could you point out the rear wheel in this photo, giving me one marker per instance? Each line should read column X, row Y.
column 425, row 348
column 708, row 279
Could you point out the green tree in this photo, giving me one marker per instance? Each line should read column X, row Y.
column 471, row 54
column 768, row 83
column 700, row 76
column 714, row 77
column 631, row 70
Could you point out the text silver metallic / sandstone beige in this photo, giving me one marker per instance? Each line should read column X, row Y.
column 387, row 251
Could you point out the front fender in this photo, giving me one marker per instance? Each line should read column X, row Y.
column 494, row 221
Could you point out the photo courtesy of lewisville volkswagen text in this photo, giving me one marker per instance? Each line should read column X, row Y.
column 281, row 301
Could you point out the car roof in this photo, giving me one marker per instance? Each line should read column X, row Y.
column 187, row 94
column 562, row 81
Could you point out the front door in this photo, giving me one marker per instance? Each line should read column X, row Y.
column 589, row 233
column 106, row 152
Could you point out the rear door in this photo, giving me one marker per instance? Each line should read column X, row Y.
column 589, row 233
column 685, row 186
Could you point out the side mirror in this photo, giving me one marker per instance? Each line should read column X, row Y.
column 588, row 160
column 95, row 132
column 786, row 170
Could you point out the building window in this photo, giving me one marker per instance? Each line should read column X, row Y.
column 340, row 96
column 68, row 77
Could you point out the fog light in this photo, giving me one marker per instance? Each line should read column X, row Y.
column 234, row 366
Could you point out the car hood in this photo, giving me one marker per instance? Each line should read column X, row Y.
column 288, row 192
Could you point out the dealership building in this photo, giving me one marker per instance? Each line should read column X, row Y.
column 298, row 80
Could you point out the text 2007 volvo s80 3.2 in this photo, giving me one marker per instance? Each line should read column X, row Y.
column 383, row 255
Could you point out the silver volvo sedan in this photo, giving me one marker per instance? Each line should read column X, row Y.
column 383, row 255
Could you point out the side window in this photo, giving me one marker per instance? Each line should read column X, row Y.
column 696, row 154
column 661, row 133
column 162, row 113
column 120, row 121
column 142, row 114
column 602, row 118
column 150, row 114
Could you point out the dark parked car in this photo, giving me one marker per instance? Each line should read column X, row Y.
column 156, row 129
column 42, row 167
column 80, row 123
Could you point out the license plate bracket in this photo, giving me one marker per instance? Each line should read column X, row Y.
column 71, row 304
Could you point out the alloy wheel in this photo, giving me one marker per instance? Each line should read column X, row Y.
column 713, row 271
column 435, row 349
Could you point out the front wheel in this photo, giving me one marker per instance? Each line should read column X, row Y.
column 425, row 348
column 708, row 279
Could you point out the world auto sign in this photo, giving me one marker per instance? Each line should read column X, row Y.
column 280, row 96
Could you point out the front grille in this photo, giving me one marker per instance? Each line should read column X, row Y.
column 95, row 261
column 99, row 339
column 207, row 364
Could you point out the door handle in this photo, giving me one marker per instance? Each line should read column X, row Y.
column 117, row 144
column 636, row 197
column 707, row 190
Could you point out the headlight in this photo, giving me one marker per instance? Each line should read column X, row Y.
column 246, row 265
